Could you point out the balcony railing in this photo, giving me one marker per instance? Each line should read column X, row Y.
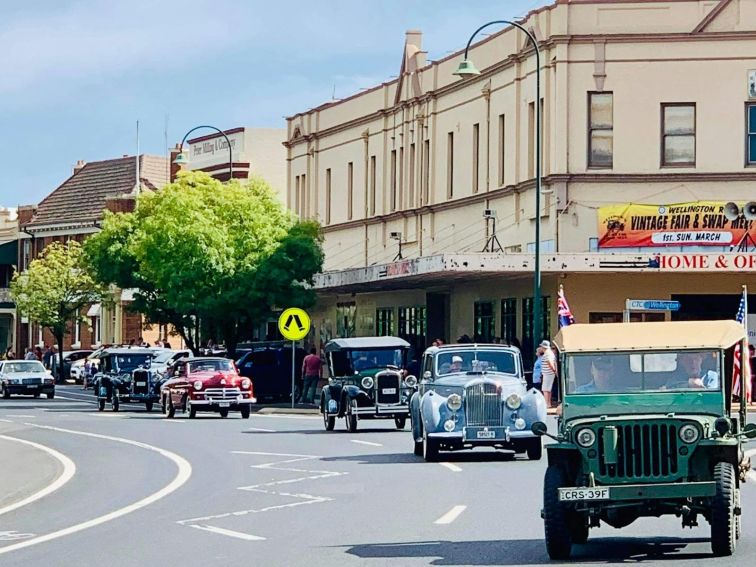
column 5, row 295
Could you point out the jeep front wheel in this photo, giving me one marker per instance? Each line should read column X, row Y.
column 723, row 510
column 558, row 538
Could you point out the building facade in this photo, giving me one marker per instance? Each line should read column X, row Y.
column 8, row 254
column 425, row 184
column 73, row 211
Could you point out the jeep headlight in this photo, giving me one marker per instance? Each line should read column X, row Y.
column 585, row 437
column 198, row 385
column 367, row 382
column 689, row 433
column 514, row 401
column 454, row 402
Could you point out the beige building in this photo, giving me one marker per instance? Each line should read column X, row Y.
column 649, row 129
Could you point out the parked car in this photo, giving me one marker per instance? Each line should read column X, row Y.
column 647, row 429
column 475, row 395
column 209, row 384
column 25, row 378
column 367, row 381
column 69, row 358
column 162, row 362
column 124, row 377
column 268, row 365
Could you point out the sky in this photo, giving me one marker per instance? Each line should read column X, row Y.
column 76, row 76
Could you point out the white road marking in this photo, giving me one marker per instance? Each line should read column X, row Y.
column 361, row 442
column 451, row 466
column 182, row 476
column 88, row 401
column 6, row 420
column 286, row 416
column 69, row 470
column 451, row 515
column 13, row 536
column 229, row 533
column 173, row 421
column 14, row 415
column 260, row 429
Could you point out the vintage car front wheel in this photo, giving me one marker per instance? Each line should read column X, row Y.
column 329, row 421
column 534, row 449
column 400, row 422
column 116, row 401
column 245, row 411
column 430, row 449
column 351, row 417
column 148, row 406
column 101, row 405
column 171, row 409
column 557, row 533
column 223, row 412
column 723, row 510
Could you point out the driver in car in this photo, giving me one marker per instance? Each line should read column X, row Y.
column 690, row 373
column 604, row 378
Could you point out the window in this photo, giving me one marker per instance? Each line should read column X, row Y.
column 531, row 139
column 751, row 134
column 328, row 196
column 600, row 130
column 476, row 158
column 425, row 199
column 411, row 180
column 678, row 134
column 303, row 197
column 350, row 190
column 384, row 321
column 509, row 319
column 393, row 181
column 450, row 165
column 77, row 332
column 372, row 184
column 485, row 322
column 400, row 196
column 412, row 326
column 345, row 319
column 502, row 141
column 295, row 198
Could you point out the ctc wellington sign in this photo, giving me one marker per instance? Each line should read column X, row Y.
column 651, row 305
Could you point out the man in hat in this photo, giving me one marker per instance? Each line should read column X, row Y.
column 602, row 372
column 548, row 371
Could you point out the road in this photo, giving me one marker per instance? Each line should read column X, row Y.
column 132, row 488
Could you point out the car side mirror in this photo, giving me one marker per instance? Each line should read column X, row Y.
column 749, row 431
column 539, row 428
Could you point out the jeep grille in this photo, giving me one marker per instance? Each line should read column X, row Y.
column 643, row 451
column 483, row 406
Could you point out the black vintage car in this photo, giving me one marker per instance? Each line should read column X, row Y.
column 124, row 377
column 367, row 381
column 268, row 365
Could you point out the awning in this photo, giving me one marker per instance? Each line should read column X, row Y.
column 95, row 310
column 9, row 253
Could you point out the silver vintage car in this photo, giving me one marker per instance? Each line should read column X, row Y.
column 475, row 395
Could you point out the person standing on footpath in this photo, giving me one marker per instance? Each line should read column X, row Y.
column 538, row 368
column 311, row 373
column 30, row 354
column 47, row 356
column 548, row 371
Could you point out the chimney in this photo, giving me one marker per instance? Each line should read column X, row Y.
column 175, row 168
column 79, row 165
column 25, row 214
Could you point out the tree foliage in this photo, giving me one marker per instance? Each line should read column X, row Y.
column 55, row 288
column 224, row 253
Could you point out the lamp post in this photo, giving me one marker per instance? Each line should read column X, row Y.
column 467, row 69
column 181, row 159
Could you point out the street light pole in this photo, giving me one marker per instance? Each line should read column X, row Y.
column 181, row 159
column 467, row 69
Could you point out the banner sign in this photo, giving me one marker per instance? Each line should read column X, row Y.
column 652, row 305
column 700, row 223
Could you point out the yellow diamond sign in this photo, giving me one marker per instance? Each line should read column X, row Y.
column 294, row 324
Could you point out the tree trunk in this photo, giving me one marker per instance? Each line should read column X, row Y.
column 230, row 337
column 59, row 378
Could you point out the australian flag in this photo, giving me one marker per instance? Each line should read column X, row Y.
column 565, row 315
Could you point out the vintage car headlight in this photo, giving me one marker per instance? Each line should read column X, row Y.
column 520, row 423
column 198, row 385
column 689, row 433
column 449, row 425
column 454, row 402
column 367, row 382
column 585, row 437
column 410, row 381
column 245, row 384
column 514, row 401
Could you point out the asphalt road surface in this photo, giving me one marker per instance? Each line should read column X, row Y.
column 135, row 489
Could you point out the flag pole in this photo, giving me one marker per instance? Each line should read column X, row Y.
column 745, row 364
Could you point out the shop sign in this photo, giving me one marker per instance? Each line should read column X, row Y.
column 651, row 305
column 213, row 150
column 704, row 262
column 699, row 223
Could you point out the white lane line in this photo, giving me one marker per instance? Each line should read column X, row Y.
column 6, row 420
column 183, row 474
column 16, row 415
column 229, row 533
column 451, row 515
column 281, row 416
column 173, row 421
column 361, row 442
column 451, row 466
column 88, row 401
column 260, row 429
column 69, row 470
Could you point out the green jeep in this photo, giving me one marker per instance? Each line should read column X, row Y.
column 646, row 429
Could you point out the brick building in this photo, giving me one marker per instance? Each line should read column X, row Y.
column 73, row 211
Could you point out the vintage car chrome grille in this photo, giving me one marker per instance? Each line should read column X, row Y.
column 643, row 451
column 483, row 407
column 390, row 381
column 31, row 380
column 220, row 394
column 140, row 376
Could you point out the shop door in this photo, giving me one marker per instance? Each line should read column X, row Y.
column 438, row 316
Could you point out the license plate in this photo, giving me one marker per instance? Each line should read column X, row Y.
column 141, row 383
column 388, row 391
column 31, row 385
column 569, row 494
column 486, row 434
column 224, row 404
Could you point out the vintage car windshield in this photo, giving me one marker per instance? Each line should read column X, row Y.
column 643, row 372
column 129, row 362
column 161, row 357
column 210, row 366
column 26, row 366
column 451, row 361
column 375, row 358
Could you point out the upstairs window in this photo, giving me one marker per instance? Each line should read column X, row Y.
column 600, row 130
column 678, row 134
column 751, row 134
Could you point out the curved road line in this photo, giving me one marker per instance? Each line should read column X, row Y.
column 69, row 470
column 182, row 476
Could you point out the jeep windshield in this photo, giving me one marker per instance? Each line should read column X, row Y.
column 662, row 371
column 130, row 362
column 475, row 362
column 368, row 359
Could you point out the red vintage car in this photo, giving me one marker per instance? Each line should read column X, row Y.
column 207, row 384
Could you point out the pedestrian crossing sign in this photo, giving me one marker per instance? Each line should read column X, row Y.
column 294, row 324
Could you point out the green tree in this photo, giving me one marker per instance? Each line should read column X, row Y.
column 55, row 289
column 199, row 249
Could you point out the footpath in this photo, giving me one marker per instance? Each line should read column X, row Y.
column 24, row 470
